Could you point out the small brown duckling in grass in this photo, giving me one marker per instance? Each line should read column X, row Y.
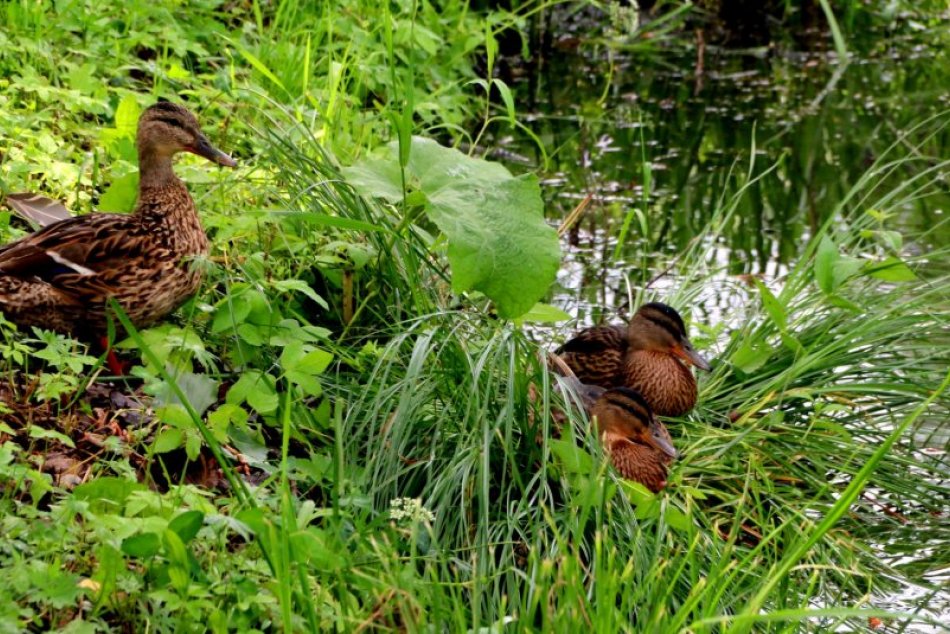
column 639, row 445
column 650, row 355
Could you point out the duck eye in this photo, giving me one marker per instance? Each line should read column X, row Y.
column 175, row 123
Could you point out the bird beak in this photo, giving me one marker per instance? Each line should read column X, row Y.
column 203, row 147
column 690, row 356
column 661, row 440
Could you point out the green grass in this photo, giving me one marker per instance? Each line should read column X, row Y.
column 756, row 516
column 353, row 378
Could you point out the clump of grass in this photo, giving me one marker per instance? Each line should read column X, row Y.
column 758, row 526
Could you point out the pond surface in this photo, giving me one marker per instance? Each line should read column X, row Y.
column 652, row 135
column 658, row 140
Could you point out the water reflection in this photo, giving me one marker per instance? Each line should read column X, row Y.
column 657, row 145
column 639, row 133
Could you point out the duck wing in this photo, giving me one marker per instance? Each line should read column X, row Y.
column 76, row 253
column 595, row 355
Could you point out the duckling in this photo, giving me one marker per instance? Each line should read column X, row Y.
column 62, row 276
column 650, row 355
column 639, row 445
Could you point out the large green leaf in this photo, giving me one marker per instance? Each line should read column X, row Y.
column 187, row 524
column 498, row 241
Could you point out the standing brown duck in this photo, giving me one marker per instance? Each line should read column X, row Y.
column 62, row 276
column 650, row 355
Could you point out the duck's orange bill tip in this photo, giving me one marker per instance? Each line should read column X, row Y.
column 224, row 159
column 698, row 360
column 219, row 157
column 692, row 357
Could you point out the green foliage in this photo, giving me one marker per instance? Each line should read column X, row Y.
column 385, row 466
column 498, row 241
column 757, row 524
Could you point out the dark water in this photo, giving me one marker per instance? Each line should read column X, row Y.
column 664, row 138
column 658, row 143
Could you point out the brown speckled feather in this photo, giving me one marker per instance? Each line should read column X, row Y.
column 667, row 385
column 640, row 356
column 639, row 445
column 62, row 276
column 142, row 260
column 637, row 462
column 595, row 355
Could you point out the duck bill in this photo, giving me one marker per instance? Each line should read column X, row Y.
column 692, row 357
column 660, row 439
column 203, row 147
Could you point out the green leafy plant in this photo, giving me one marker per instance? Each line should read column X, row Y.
column 385, row 466
column 498, row 242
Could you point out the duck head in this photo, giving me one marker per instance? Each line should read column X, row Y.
column 622, row 412
column 658, row 327
column 166, row 129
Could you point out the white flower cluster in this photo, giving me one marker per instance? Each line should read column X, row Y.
column 411, row 510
